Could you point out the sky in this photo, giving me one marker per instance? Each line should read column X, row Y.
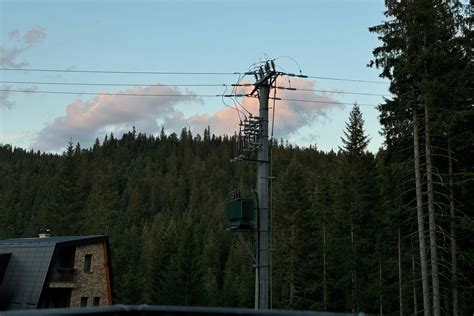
column 322, row 39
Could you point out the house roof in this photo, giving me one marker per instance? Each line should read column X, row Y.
column 62, row 240
column 28, row 266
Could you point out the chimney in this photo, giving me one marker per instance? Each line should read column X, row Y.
column 44, row 233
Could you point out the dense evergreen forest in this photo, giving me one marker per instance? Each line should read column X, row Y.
column 388, row 232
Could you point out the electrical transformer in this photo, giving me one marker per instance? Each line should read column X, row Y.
column 240, row 213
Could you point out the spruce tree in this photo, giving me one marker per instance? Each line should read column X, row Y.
column 292, row 238
column 354, row 141
column 425, row 55
column 356, row 196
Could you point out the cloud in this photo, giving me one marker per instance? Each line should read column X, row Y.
column 85, row 120
column 14, row 34
column 9, row 56
column 5, row 101
column 33, row 36
column 290, row 114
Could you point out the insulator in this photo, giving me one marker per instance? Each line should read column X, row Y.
column 273, row 65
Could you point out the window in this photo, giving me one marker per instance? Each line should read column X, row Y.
column 84, row 301
column 96, row 301
column 87, row 263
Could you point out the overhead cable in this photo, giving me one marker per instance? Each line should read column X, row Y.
column 120, row 71
column 179, row 73
column 197, row 95
column 347, row 79
column 117, row 84
column 124, row 94
column 200, row 85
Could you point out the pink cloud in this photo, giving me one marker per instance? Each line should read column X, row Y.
column 290, row 115
column 34, row 35
column 85, row 120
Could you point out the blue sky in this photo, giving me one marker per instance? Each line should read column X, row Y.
column 326, row 38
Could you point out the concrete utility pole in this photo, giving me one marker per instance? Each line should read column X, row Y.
column 263, row 174
column 255, row 131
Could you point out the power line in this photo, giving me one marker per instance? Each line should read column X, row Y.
column 233, row 95
column 188, row 73
column 200, row 85
column 358, row 93
column 120, row 71
column 325, row 102
column 172, row 95
column 179, row 85
column 335, row 92
column 332, row 78
column 347, row 79
column 125, row 94
column 370, row 105
column 180, row 73
column 114, row 84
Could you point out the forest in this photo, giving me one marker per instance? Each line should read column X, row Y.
column 390, row 232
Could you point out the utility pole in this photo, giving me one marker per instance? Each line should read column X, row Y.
column 265, row 76
column 263, row 174
column 255, row 140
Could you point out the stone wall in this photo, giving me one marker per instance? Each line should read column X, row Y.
column 94, row 283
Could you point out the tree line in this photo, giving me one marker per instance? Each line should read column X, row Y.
column 338, row 242
column 387, row 232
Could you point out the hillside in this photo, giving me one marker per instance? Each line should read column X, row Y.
column 162, row 199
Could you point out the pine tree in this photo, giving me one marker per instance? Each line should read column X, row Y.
column 238, row 279
column 356, row 199
column 158, row 249
column 102, row 207
column 184, row 272
column 293, row 227
column 354, row 141
column 424, row 54
column 210, row 263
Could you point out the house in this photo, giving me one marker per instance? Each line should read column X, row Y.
column 49, row 272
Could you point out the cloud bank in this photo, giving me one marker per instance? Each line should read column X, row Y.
column 290, row 114
column 86, row 120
